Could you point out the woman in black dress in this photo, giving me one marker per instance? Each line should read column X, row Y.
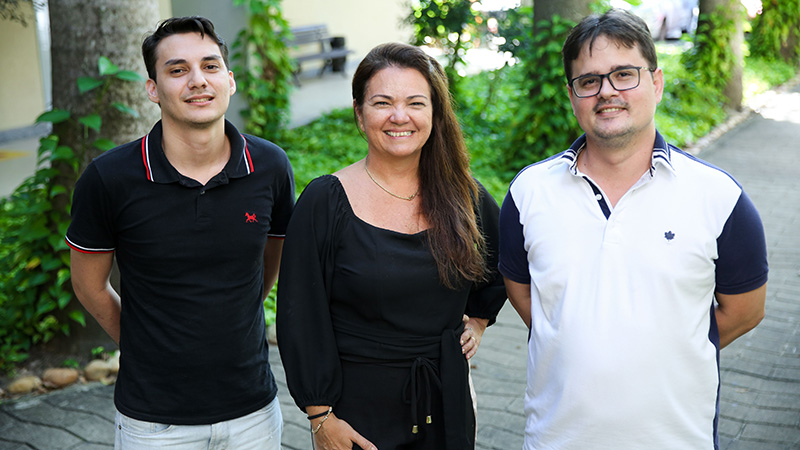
column 389, row 276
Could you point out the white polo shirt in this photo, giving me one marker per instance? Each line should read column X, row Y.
column 623, row 350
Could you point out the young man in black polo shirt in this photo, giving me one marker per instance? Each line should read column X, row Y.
column 187, row 211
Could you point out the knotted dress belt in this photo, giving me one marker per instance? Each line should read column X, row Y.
column 452, row 379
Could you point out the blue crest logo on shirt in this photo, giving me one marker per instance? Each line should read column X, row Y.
column 669, row 236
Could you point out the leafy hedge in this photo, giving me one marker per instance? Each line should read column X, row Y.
column 36, row 296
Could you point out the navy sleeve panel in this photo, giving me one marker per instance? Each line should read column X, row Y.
column 91, row 229
column 513, row 257
column 487, row 298
column 742, row 261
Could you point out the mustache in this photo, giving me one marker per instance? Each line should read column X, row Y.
column 600, row 106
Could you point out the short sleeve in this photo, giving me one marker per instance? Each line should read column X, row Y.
column 283, row 201
column 91, row 229
column 513, row 257
column 306, row 340
column 741, row 265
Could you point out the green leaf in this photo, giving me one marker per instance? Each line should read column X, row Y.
column 106, row 67
column 57, row 190
column 93, row 121
column 62, row 152
column 129, row 75
column 64, row 298
column 53, row 116
column 126, row 109
column 77, row 316
column 62, row 277
column 33, row 263
column 103, row 144
column 86, row 84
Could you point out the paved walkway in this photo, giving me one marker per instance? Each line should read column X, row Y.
column 760, row 406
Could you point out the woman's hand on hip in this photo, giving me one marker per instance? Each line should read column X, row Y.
column 471, row 337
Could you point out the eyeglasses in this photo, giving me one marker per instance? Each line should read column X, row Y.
column 623, row 79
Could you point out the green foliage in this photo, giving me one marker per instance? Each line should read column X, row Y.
column 71, row 363
column 543, row 124
column 449, row 25
column 688, row 109
column 35, row 292
column 776, row 31
column 762, row 73
column 264, row 75
column 516, row 26
column 270, row 305
column 487, row 107
column 324, row 146
column 710, row 61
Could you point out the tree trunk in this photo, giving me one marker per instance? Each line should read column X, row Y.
column 732, row 10
column 734, row 89
column 81, row 32
column 545, row 10
column 84, row 30
column 573, row 10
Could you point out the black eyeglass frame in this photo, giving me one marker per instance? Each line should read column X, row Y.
column 606, row 76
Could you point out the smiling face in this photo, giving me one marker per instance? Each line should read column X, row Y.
column 194, row 86
column 612, row 117
column 397, row 112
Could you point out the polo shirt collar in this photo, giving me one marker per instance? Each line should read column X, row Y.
column 662, row 155
column 159, row 170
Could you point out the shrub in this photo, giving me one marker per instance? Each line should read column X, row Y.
column 34, row 259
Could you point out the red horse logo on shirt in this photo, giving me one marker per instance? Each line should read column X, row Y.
column 250, row 218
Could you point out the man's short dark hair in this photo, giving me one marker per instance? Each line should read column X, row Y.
column 179, row 25
column 618, row 25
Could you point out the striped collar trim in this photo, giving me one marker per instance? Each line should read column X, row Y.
column 662, row 155
column 159, row 170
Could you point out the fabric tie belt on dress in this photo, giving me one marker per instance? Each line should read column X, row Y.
column 451, row 377
column 423, row 372
column 420, row 355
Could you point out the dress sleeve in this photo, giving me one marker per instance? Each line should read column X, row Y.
column 487, row 298
column 305, row 333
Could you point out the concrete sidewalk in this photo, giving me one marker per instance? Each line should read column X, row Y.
column 760, row 393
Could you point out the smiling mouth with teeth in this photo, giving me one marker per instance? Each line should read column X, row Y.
column 198, row 100
column 400, row 134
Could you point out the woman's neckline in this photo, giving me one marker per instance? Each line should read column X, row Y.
column 353, row 213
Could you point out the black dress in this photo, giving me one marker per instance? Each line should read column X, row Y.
column 365, row 325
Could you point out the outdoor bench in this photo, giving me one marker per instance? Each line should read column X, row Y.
column 330, row 50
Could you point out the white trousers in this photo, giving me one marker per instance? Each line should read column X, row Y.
column 260, row 430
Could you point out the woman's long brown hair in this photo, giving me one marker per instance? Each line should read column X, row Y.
column 448, row 191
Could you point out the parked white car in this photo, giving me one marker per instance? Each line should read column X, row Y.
column 666, row 19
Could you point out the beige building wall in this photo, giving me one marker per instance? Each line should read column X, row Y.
column 363, row 23
column 21, row 75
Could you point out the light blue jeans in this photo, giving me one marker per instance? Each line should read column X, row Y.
column 260, row 430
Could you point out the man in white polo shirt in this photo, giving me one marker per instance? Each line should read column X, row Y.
column 631, row 261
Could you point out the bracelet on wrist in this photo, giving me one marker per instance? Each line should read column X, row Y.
column 324, row 418
column 317, row 416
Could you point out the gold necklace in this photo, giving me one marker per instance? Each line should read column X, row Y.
column 409, row 198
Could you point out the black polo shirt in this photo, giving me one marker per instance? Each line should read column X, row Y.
column 193, row 338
